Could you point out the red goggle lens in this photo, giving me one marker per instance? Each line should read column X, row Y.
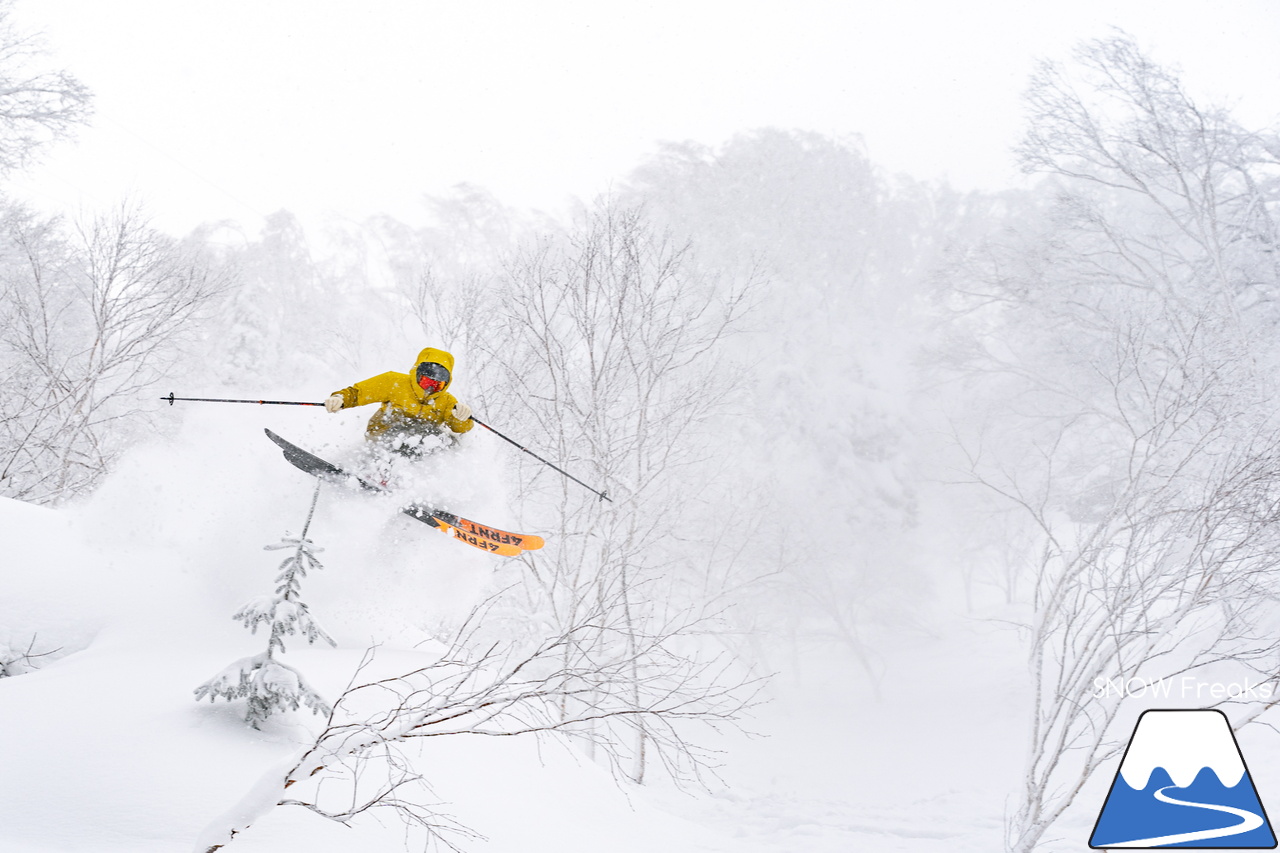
column 431, row 376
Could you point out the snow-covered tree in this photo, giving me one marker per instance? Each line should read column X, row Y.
column 609, row 358
column 566, row 681
column 827, row 427
column 38, row 105
column 262, row 680
column 92, row 317
column 1122, row 340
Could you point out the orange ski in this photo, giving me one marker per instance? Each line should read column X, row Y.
column 488, row 545
column 490, row 539
column 523, row 541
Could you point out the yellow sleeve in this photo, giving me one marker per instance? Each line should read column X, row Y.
column 376, row 389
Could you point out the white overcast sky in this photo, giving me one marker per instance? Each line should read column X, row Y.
column 237, row 108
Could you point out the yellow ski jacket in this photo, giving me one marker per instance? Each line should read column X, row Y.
column 405, row 406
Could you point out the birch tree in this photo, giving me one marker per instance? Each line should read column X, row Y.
column 39, row 105
column 1123, row 323
column 608, row 357
column 93, row 316
column 365, row 758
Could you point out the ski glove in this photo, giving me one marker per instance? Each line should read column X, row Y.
column 333, row 403
column 462, row 411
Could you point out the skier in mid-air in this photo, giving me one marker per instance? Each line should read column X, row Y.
column 414, row 405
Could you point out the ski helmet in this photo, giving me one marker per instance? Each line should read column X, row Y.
column 432, row 377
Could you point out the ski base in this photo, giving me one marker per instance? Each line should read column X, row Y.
column 492, row 540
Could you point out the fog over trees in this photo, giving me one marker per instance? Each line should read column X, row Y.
column 828, row 404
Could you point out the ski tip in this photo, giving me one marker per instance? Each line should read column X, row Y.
column 502, row 549
column 508, row 551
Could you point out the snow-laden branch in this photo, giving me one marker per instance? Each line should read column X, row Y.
column 560, row 684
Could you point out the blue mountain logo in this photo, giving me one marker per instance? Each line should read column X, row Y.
column 1183, row 783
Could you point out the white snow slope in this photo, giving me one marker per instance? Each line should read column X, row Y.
column 130, row 592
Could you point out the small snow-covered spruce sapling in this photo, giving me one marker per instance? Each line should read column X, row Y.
column 266, row 683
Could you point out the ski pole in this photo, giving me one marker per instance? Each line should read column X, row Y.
column 172, row 399
column 602, row 495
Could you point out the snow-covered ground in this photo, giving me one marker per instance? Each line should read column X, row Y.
column 105, row 748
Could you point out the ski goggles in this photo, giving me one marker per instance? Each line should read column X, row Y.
column 432, row 377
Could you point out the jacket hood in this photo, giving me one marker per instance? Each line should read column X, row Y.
column 439, row 356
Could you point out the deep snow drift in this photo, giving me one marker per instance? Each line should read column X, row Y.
column 130, row 593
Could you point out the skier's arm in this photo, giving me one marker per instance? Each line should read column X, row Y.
column 373, row 390
column 455, row 412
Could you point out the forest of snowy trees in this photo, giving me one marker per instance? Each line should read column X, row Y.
column 827, row 403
